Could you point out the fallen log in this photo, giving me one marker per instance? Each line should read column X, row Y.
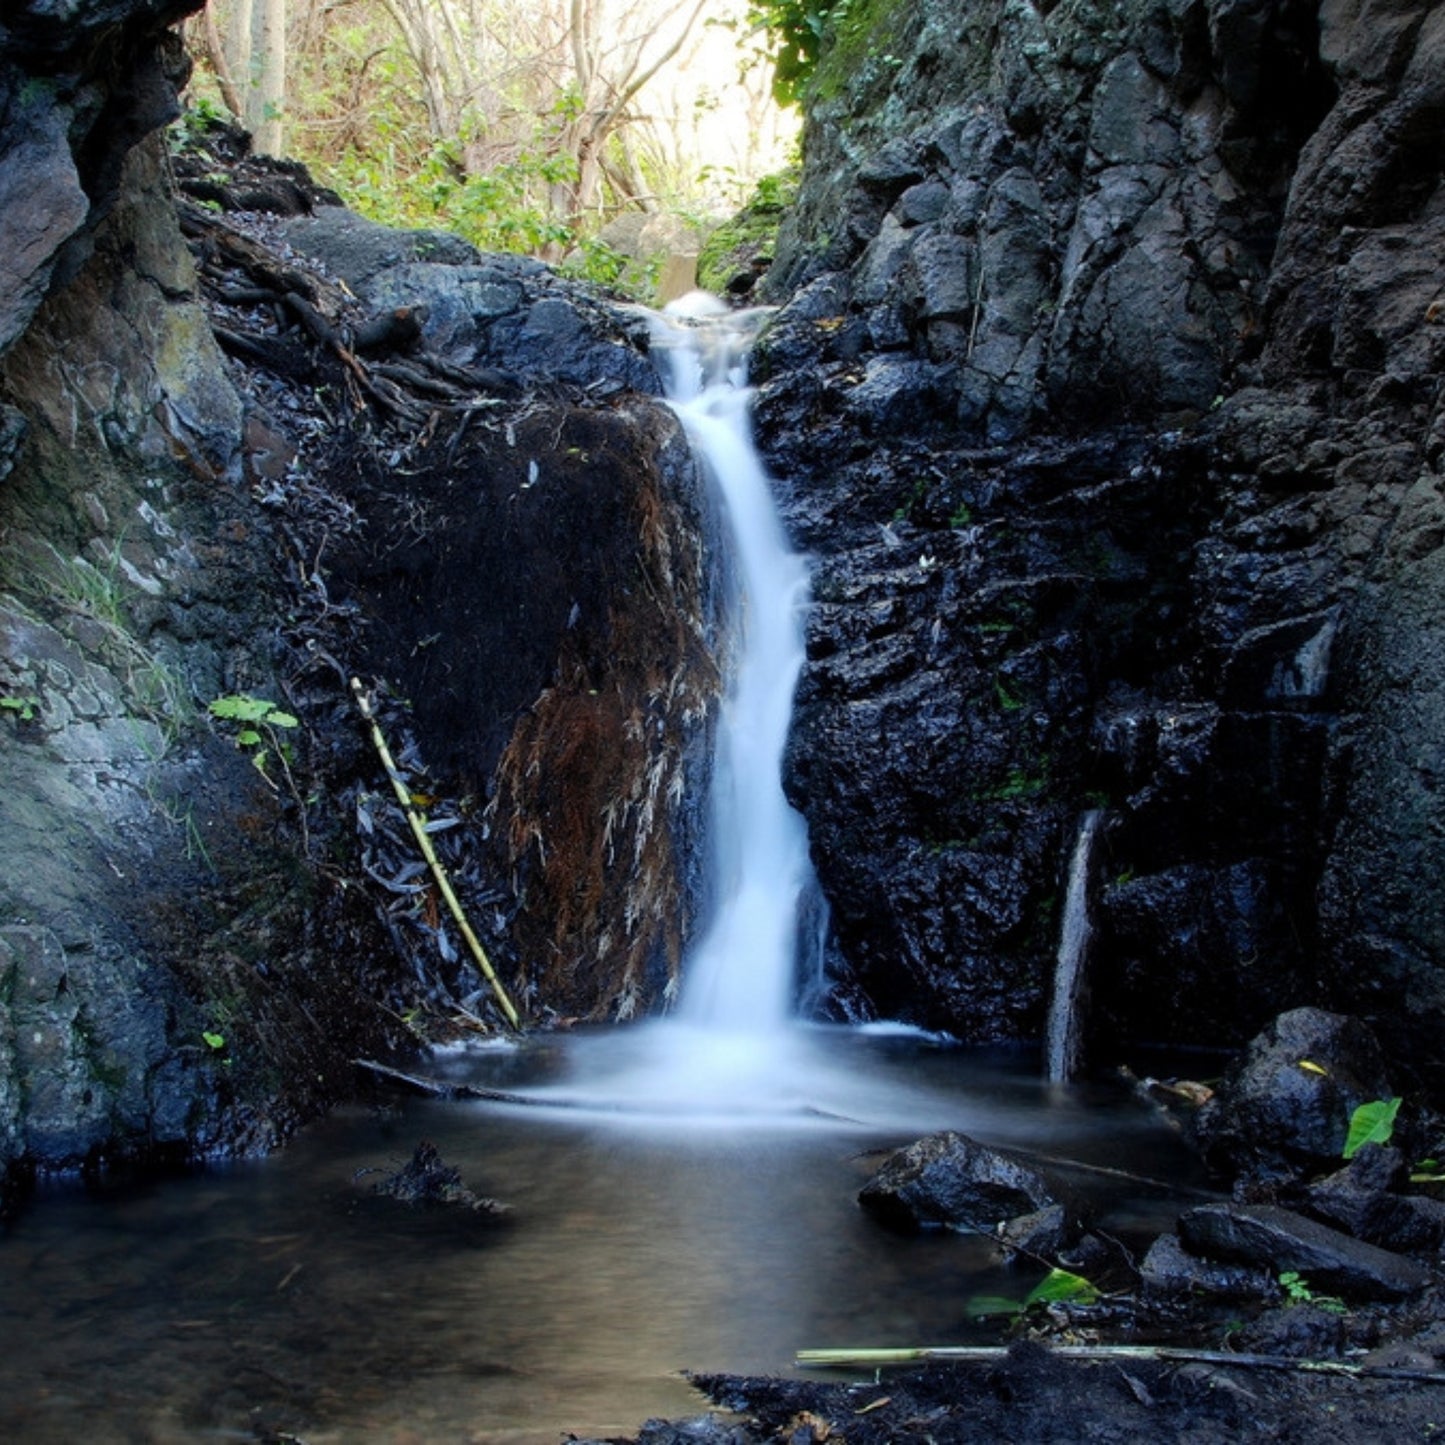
column 438, row 1088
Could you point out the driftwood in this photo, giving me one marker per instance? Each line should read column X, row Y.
column 1109, row 1354
column 430, row 1088
column 434, row 1088
column 380, row 354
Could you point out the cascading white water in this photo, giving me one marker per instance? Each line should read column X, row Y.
column 1061, row 1043
column 732, row 1052
column 739, row 977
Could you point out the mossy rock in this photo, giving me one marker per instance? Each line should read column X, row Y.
column 737, row 254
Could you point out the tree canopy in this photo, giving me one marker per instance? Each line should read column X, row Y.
column 525, row 128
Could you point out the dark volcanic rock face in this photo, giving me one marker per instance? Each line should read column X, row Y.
column 456, row 488
column 1107, row 394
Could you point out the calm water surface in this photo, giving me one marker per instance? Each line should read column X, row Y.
column 279, row 1295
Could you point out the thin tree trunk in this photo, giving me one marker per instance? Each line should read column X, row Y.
column 240, row 20
column 220, row 62
column 268, row 127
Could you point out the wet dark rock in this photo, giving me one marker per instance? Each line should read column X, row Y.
column 1278, row 1240
column 205, row 983
column 949, row 1181
column 427, row 1181
column 502, row 311
column 1043, row 1234
column 1287, row 1104
column 1298, row 1331
column 1124, row 200
column 1169, row 1272
column 1363, row 1199
column 69, row 125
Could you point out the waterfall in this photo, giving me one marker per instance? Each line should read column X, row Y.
column 729, row 1051
column 739, row 976
column 1062, row 1042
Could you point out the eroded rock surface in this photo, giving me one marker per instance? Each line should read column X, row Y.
column 457, row 487
column 1106, row 391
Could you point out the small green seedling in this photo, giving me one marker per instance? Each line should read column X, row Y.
column 214, row 1041
column 1297, row 1291
column 258, row 720
column 1058, row 1286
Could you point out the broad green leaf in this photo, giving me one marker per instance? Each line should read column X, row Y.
column 279, row 719
column 214, row 1041
column 1059, row 1286
column 1371, row 1123
column 241, row 708
column 248, row 737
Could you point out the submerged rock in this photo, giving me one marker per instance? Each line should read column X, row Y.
column 949, row 1181
column 427, row 1180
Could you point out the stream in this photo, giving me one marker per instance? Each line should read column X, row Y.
column 280, row 1294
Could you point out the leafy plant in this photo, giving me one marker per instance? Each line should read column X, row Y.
column 1058, row 1286
column 259, row 720
column 1008, row 699
column 1297, row 1291
column 214, row 1041
column 798, row 29
column 21, row 706
column 1371, row 1123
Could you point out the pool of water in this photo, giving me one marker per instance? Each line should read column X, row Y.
column 643, row 1241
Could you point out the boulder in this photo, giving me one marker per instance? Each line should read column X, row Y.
column 949, row 1181
column 1170, row 1272
column 1361, row 1199
column 1287, row 1106
column 480, row 310
column 1278, row 1240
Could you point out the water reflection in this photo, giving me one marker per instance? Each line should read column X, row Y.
column 280, row 1295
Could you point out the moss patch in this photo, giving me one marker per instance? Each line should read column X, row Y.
column 741, row 249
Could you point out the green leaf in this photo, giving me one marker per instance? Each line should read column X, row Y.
column 241, row 707
column 214, row 1041
column 279, row 719
column 248, row 737
column 1059, row 1286
column 24, row 706
column 1371, row 1123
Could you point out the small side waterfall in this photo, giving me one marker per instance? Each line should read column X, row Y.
column 1062, row 1041
column 739, row 976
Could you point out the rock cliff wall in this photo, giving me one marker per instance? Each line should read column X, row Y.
column 457, row 488
column 1107, row 381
